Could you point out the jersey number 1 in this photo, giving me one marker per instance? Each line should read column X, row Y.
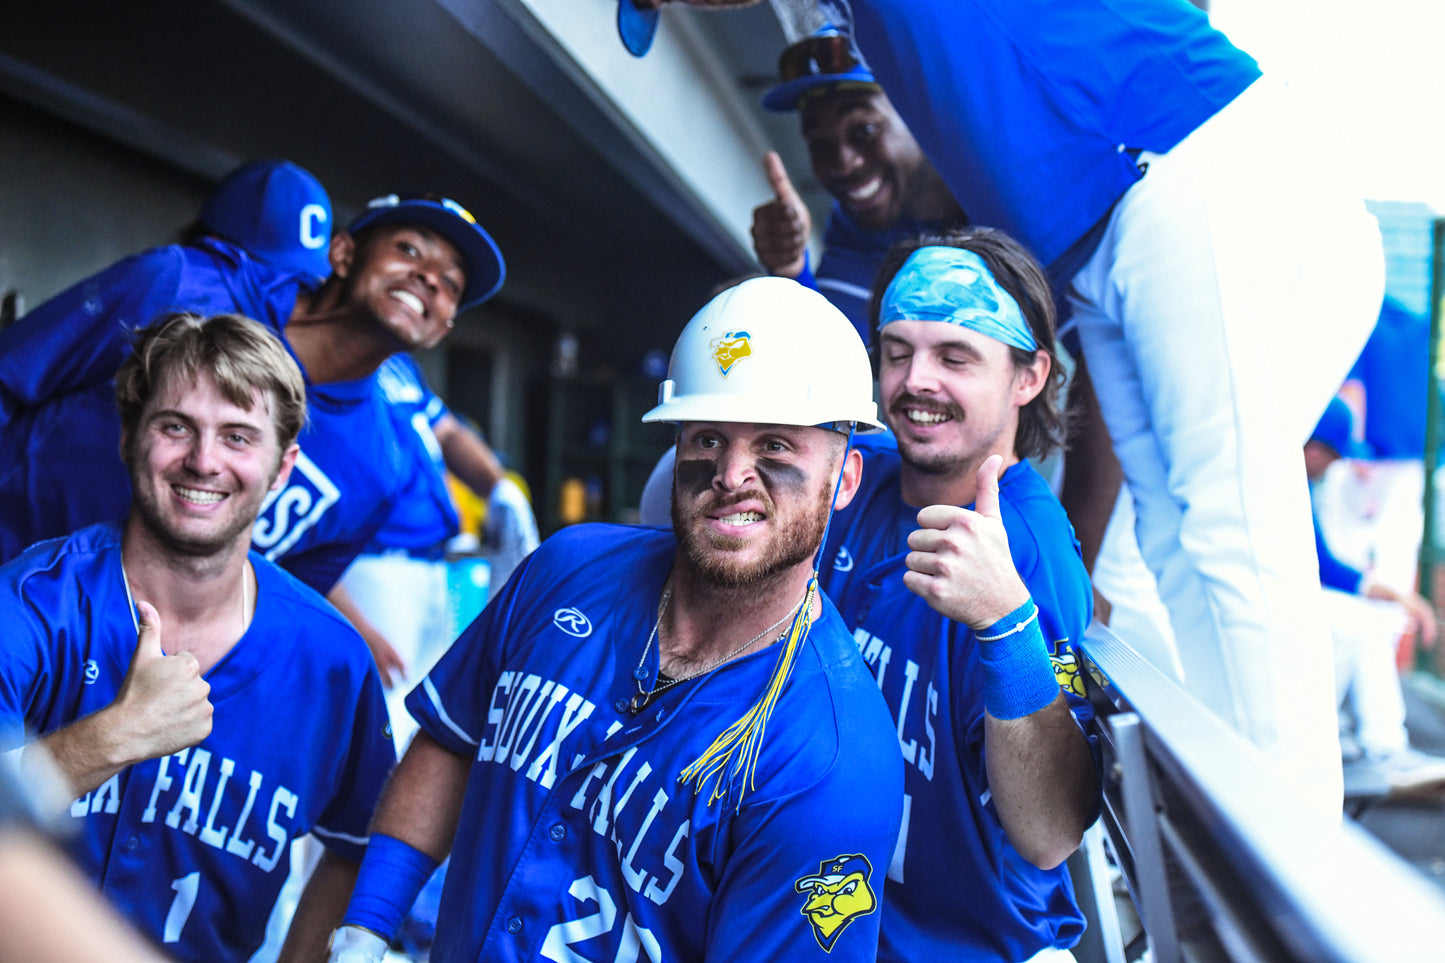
column 186, row 887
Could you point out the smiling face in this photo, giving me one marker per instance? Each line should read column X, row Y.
column 951, row 395
column 864, row 155
column 406, row 278
column 751, row 501
column 201, row 467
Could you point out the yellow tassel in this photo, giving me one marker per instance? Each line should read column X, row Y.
column 735, row 753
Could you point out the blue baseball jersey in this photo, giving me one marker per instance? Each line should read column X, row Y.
column 423, row 516
column 1394, row 368
column 1030, row 109
column 577, row 839
column 60, row 467
column 850, row 262
column 194, row 847
column 956, row 887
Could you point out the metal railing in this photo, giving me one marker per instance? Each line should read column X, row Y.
column 1222, row 861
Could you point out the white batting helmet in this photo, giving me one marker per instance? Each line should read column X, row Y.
column 769, row 351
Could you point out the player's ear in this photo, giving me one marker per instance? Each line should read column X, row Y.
column 341, row 253
column 1030, row 379
column 283, row 469
column 852, row 477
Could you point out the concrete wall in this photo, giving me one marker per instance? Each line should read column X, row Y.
column 72, row 203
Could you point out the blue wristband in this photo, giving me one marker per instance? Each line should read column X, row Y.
column 392, row 874
column 1018, row 675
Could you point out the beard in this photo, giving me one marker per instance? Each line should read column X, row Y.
column 714, row 558
column 146, row 499
column 145, row 505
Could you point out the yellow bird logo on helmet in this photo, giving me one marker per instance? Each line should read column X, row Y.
column 731, row 348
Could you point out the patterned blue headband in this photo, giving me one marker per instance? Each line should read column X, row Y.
column 953, row 285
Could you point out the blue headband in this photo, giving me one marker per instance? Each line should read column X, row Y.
column 953, row 285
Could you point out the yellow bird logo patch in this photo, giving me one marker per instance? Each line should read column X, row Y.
column 1066, row 669
column 731, row 348
column 836, row 896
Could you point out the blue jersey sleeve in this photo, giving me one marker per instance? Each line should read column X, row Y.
column 24, row 665
column 322, row 565
column 1334, row 573
column 80, row 337
column 65, row 652
column 344, row 824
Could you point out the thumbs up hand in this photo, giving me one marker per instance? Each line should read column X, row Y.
column 781, row 226
column 163, row 703
column 959, row 561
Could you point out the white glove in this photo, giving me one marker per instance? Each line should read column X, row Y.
column 352, row 944
column 511, row 530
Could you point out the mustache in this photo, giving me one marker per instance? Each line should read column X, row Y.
column 720, row 502
column 906, row 401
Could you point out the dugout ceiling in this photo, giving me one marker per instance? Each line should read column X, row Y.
column 619, row 190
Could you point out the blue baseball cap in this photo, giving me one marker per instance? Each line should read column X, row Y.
column 1336, row 429
column 276, row 212
column 481, row 258
column 814, row 65
column 636, row 27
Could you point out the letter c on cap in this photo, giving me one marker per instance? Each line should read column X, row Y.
column 313, row 216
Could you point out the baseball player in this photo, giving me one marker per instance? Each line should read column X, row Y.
column 884, row 190
column 402, row 270
column 396, row 589
column 661, row 745
column 208, row 707
column 1202, row 228
column 966, row 615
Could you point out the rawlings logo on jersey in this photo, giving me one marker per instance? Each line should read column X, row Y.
column 843, row 562
column 731, row 348
column 291, row 512
column 836, row 896
column 572, row 622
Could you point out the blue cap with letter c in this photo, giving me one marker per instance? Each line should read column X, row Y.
column 278, row 213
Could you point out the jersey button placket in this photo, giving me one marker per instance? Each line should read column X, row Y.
column 558, row 833
column 514, row 925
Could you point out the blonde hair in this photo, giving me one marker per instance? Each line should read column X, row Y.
column 240, row 355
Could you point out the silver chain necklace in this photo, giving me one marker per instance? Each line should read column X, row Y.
column 644, row 696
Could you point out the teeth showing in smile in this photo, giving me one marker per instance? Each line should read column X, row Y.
column 410, row 300
column 199, row 497
column 921, row 417
column 864, row 192
column 741, row 518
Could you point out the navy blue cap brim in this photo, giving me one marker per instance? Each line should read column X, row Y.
column 636, row 27
column 785, row 97
column 481, row 258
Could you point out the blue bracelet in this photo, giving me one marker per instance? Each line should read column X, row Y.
column 1018, row 675
column 392, row 873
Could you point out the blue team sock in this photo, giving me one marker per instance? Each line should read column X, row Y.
column 1018, row 675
